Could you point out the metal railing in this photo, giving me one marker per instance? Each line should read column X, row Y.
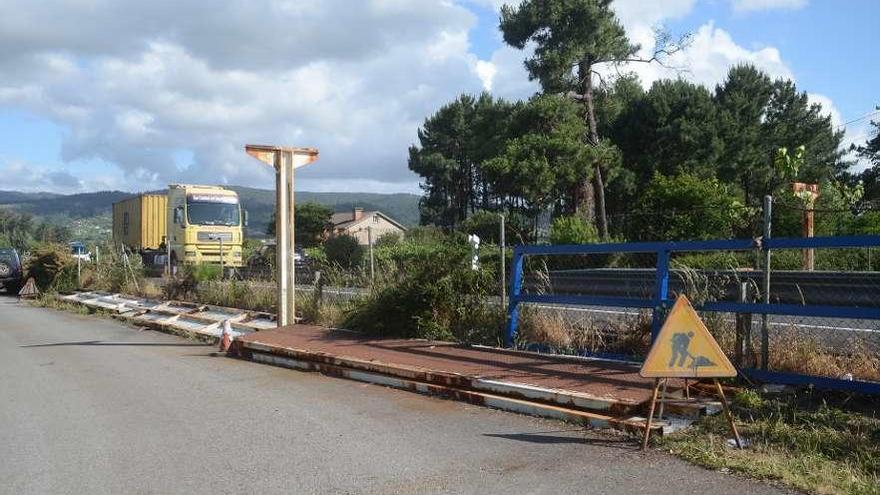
column 658, row 299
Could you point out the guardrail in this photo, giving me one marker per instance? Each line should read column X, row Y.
column 834, row 288
column 659, row 299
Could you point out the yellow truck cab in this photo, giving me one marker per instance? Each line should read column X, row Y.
column 200, row 220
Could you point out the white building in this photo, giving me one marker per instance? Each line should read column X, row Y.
column 362, row 224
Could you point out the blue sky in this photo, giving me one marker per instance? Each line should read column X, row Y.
column 830, row 45
column 171, row 100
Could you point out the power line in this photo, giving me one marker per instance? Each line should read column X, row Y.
column 863, row 117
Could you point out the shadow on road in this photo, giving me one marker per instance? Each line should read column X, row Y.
column 547, row 437
column 102, row 343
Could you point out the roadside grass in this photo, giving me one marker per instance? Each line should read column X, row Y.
column 50, row 300
column 818, row 442
column 793, row 350
column 241, row 294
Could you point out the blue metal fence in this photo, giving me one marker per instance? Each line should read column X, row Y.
column 660, row 302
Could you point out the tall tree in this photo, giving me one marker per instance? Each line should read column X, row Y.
column 544, row 162
column 453, row 143
column 756, row 117
column 310, row 220
column 870, row 151
column 672, row 129
column 571, row 38
column 741, row 101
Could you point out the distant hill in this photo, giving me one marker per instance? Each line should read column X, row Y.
column 74, row 206
column 260, row 203
column 8, row 197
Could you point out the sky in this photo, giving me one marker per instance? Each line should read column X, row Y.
column 133, row 95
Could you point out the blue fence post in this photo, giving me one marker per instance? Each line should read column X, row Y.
column 516, row 270
column 661, row 293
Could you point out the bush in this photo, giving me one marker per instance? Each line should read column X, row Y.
column 425, row 234
column 432, row 293
column 50, row 266
column 205, row 272
column 387, row 240
column 344, row 250
column 487, row 226
column 686, row 207
column 572, row 230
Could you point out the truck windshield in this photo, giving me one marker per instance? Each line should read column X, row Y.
column 211, row 213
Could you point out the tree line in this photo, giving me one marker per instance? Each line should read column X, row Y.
column 675, row 160
column 22, row 231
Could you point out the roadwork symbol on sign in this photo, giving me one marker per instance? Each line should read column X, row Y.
column 685, row 348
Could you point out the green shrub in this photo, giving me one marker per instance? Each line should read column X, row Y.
column 572, row 230
column 485, row 224
column 686, row 207
column 205, row 272
column 343, row 250
column 432, row 293
column 425, row 234
column 387, row 240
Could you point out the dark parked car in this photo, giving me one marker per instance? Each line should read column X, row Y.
column 10, row 270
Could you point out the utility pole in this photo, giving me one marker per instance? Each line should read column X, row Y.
column 370, row 243
column 285, row 160
column 503, row 268
column 765, row 318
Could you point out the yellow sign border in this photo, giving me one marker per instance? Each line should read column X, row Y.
column 683, row 305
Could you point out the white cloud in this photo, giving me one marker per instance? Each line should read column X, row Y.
column 354, row 79
column 856, row 133
column 139, row 84
column 486, row 72
column 708, row 57
column 755, row 5
column 30, row 177
column 706, row 60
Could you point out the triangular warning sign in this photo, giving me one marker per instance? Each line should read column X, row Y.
column 685, row 348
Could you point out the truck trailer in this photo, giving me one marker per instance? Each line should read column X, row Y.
column 191, row 222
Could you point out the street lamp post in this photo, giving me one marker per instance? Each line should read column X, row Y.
column 285, row 160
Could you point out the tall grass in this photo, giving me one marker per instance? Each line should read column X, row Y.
column 817, row 442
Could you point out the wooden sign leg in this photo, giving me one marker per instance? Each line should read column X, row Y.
column 662, row 398
column 728, row 413
column 651, row 413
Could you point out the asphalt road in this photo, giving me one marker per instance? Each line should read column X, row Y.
column 93, row 406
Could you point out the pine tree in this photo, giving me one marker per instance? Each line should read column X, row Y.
column 573, row 37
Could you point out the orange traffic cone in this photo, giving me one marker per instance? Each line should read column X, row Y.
column 226, row 338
